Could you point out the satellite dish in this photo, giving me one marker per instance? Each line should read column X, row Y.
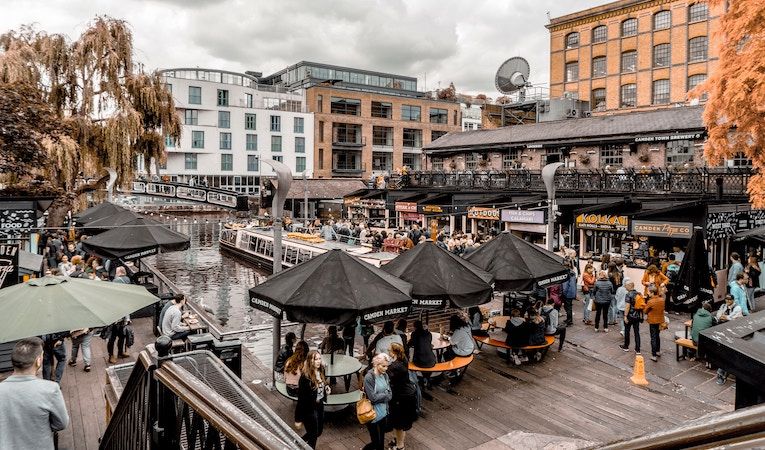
column 512, row 75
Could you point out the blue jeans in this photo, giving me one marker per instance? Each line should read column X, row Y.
column 59, row 354
column 84, row 342
column 586, row 310
column 612, row 312
column 620, row 319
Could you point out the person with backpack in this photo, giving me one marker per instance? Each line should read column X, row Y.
column 654, row 310
column 634, row 303
column 569, row 295
column 603, row 293
column 553, row 327
column 403, row 404
column 588, row 283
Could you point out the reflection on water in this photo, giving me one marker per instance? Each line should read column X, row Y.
column 207, row 276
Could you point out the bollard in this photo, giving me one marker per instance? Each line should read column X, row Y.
column 638, row 372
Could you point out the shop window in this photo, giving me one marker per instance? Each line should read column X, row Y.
column 553, row 155
column 679, row 152
column 599, row 34
column 611, row 155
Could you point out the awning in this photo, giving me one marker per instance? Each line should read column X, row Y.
column 755, row 234
column 324, row 188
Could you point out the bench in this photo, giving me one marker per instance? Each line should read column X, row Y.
column 549, row 341
column 341, row 399
column 682, row 345
column 458, row 365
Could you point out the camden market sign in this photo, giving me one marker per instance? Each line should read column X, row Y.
column 602, row 222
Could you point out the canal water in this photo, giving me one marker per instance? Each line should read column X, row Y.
column 209, row 277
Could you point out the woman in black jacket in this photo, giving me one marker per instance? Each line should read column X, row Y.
column 312, row 393
column 422, row 356
column 403, row 405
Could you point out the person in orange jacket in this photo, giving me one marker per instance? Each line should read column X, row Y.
column 655, row 317
column 588, row 282
column 653, row 275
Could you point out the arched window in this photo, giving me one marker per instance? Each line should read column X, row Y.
column 629, row 27
column 572, row 40
column 599, row 67
column 697, row 49
column 572, row 71
column 697, row 12
column 661, row 55
column 629, row 61
column 695, row 80
column 628, row 97
column 598, row 101
column 662, row 20
column 599, row 34
column 661, row 92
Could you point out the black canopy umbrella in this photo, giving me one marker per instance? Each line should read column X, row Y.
column 333, row 288
column 517, row 264
column 694, row 282
column 114, row 220
column 136, row 239
column 105, row 209
column 440, row 278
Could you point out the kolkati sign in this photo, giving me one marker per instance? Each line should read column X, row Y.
column 523, row 216
column 476, row 212
column 410, row 207
column 662, row 229
column 602, row 222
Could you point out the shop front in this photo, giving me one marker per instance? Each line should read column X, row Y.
column 527, row 224
column 656, row 240
column 483, row 220
column 368, row 207
column 407, row 215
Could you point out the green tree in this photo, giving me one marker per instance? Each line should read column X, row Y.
column 86, row 105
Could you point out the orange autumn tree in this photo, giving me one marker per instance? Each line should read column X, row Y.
column 735, row 111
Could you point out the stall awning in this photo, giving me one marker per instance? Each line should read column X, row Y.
column 683, row 211
column 755, row 234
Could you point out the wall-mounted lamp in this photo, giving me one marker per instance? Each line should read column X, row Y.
column 654, row 149
column 525, row 155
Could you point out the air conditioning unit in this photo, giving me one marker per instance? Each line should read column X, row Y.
column 572, row 113
column 587, row 114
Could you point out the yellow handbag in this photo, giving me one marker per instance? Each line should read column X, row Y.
column 365, row 412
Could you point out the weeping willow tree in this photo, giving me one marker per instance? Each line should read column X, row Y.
column 75, row 107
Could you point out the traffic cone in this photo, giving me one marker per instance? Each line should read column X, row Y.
column 638, row 372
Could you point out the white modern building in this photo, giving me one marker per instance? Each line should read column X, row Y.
column 230, row 124
column 471, row 116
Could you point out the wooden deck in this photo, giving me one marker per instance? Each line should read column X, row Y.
column 569, row 394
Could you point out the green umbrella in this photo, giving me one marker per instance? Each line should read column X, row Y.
column 54, row 304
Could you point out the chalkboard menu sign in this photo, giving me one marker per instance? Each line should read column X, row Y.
column 9, row 265
column 14, row 222
column 725, row 224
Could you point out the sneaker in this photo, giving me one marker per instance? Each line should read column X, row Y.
column 626, row 349
column 516, row 360
column 72, row 363
column 124, row 355
column 87, row 368
column 637, row 352
column 658, row 353
column 654, row 358
column 605, row 330
column 720, row 381
column 621, row 333
column 596, row 330
column 112, row 359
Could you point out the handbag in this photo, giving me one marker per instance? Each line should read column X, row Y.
column 664, row 325
column 365, row 412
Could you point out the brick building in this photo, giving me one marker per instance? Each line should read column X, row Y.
column 633, row 54
column 366, row 122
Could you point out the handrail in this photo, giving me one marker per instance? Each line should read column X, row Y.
column 132, row 416
column 738, row 426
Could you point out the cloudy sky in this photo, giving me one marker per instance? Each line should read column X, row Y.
column 463, row 41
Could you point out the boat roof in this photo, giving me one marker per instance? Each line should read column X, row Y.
column 357, row 250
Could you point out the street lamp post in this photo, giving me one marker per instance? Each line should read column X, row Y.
column 548, row 176
column 283, row 182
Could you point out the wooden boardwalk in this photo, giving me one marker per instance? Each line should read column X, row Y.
column 569, row 394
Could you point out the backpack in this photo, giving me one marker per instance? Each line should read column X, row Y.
column 637, row 304
column 546, row 315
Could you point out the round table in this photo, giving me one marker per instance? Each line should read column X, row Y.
column 439, row 345
column 341, row 366
column 498, row 321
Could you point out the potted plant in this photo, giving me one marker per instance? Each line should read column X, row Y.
column 452, row 165
column 585, row 160
column 644, row 157
column 483, row 162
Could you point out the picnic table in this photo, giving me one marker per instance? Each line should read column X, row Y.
column 341, row 366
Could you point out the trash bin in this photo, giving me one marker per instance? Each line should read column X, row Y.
column 202, row 341
column 230, row 352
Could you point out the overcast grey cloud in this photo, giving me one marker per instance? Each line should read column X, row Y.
column 442, row 41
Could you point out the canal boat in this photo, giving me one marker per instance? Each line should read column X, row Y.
column 256, row 245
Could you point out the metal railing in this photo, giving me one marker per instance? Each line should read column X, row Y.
column 696, row 181
column 192, row 400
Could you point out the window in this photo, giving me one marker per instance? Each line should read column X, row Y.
column 599, row 66
column 679, row 152
column 740, row 160
column 611, row 155
column 382, row 136
column 660, row 92
column 300, row 164
column 252, row 163
column 598, row 100
column 276, row 123
column 348, row 106
column 662, row 20
column 629, row 61
column 695, row 80
column 251, row 142
column 628, row 96
column 456, row 118
column 437, row 163
column 169, row 87
column 222, row 97
column 572, row 71
column 510, row 160
column 438, row 115
column 299, row 124
column 278, row 158
column 321, row 131
column 411, row 113
column 412, row 138
column 250, row 121
column 697, row 49
column 227, row 162
column 572, row 40
column 191, row 117
column 195, row 95
column 169, row 141
column 599, row 34
column 346, row 133
column 321, row 159
column 412, row 160
column 299, row 145
column 248, row 100
column 197, row 139
column 190, row 161
column 383, row 110
column 661, row 55
column 629, row 27
column 382, row 161
column 697, row 12
column 471, row 161
column 225, row 141
column 224, row 119
column 276, row 143
column 436, row 134
column 320, row 103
